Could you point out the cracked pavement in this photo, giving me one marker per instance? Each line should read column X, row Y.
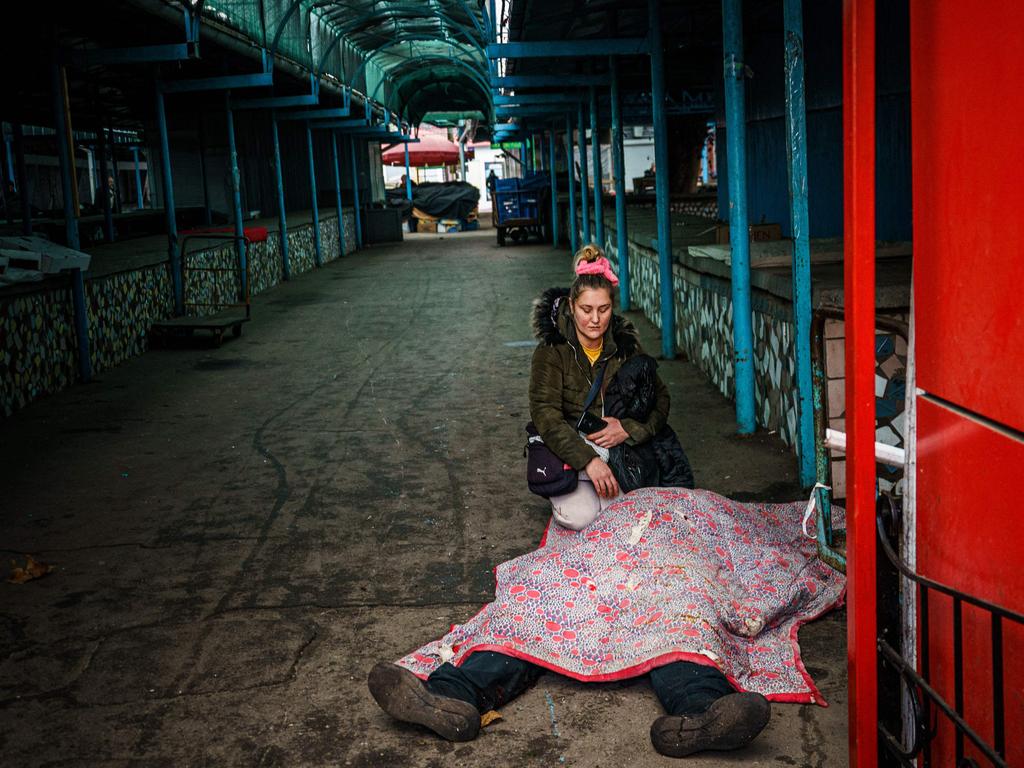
column 238, row 534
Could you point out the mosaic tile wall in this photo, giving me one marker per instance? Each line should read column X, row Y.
column 702, row 206
column 37, row 337
column 38, row 354
column 890, row 391
column 122, row 307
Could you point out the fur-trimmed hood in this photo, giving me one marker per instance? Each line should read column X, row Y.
column 552, row 324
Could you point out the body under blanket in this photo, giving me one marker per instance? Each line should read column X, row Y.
column 665, row 574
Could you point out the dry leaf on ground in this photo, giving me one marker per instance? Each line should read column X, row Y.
column 489, row 717
column 33, row 570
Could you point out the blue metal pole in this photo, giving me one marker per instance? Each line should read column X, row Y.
column 408, row 174
column 23, row 191
column 736, row 130
column 10, row 160
column 60, row 105
column 236, row 194
column 108, row 213
column 554, row 189
column 355, row 191
column 318, row 257
column 282, row 219
column 595, row 144
column 584, row 182
column 570, row 165
column 618, row 170
column 172, row 225
column 796, row 154
column 207, row 215
column 462, row 161
column 138, row 179
column 668, row 315
column 337, row 193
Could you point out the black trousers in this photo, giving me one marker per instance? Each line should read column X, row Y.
column 488, row 680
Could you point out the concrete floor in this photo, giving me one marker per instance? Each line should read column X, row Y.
column 238, row 534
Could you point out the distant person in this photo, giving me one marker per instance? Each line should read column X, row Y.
column 492, row 183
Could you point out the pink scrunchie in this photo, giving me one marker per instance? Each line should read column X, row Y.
column 599, row 266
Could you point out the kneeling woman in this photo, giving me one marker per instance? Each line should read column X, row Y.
column 579, row 336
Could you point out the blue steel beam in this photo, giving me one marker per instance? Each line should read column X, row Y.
column 60, row 106
column 347, row 124
column 547, row 49
column 584, row 178
column 8, row 141
column 277, row 102
column 525, row 110
column 337, row 193
column 570, row 166
column 105, row 203
column 548, row 81
column 595, row 145
column 146, row 54
column 554, row 188
column 521, row 99
column 314, row 114
column 236, row 197
column 139, row 202
column 736, row 143
column 796, row 156
column 661, row 165
column 619, row 172
column 174, row 257
column 223, row 83
column 22, row 172
column 408, row 174
column 318, row 255
column 282, row 220
column 355, row 191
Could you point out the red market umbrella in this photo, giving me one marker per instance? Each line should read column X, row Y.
column 430, row 150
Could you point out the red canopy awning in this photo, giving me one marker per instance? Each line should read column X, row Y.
column 430, row 150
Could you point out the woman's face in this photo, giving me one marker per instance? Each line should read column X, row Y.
column 591, row 312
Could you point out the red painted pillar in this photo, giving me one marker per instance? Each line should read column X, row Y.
column 859, row 301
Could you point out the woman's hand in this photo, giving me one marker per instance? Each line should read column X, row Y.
column 611, row 435
column 601, row 476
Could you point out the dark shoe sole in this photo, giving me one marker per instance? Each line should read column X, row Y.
column 404, row 696
column 730, row 723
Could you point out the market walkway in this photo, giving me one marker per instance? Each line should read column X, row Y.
column 238, row 534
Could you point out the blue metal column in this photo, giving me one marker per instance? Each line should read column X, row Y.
column 236, row 194
column 355, row 191
column 108, row 212
column 60, row 105
column 462, row 161
column 207, row 215
column 408, row 173
column 337, row 193
column 619, row 171
column 22, row 171
column 661, row 167
column 584, row 182
column 172, row 224
column 736, row 140
column 118, row 207
column 570, row 162
column 554, row 189
column 139, row 204
column 796, row 154
column 317, row 256
column 595, row 144
column 10, row 159
column 282, row 219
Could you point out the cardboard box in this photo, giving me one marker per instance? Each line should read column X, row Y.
column 758, row 233
column 426, row 225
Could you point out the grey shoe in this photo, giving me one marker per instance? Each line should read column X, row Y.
column 404, row 696
column 731, row 722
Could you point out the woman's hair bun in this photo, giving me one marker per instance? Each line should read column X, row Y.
column 589, row 252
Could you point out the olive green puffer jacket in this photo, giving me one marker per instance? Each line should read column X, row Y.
column 561, row 377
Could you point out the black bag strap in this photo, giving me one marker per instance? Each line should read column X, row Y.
column 594, row 388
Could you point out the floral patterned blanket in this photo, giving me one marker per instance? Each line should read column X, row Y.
column 666, row 574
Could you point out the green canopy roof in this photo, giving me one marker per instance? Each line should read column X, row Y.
column 416, row 57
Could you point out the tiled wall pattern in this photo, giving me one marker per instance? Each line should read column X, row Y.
column 37, row 337
column 38, row 353
column 697, row 206
column 890, row 391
